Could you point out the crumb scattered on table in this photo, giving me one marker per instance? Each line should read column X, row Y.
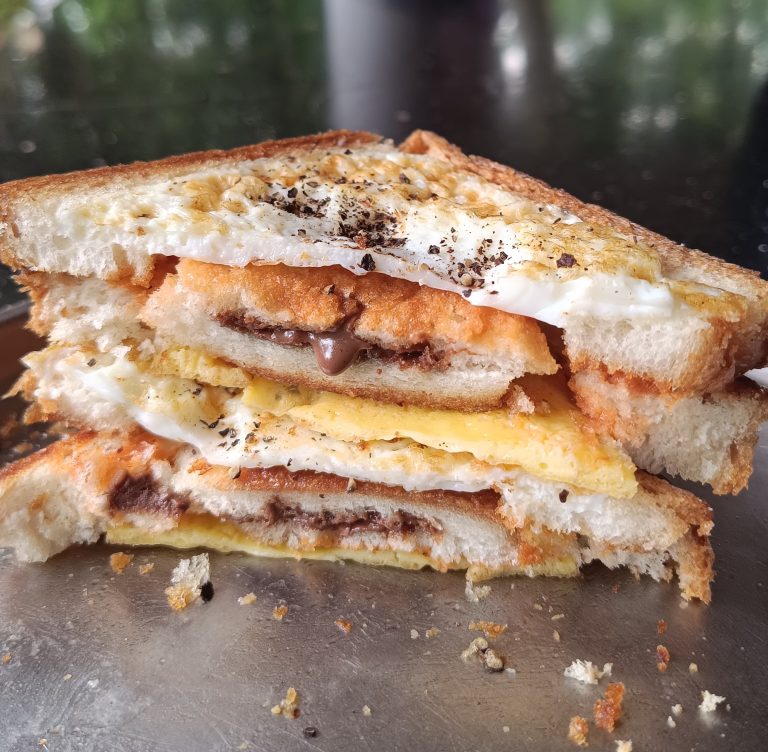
column 6, row 659
column 661, row 627
column 120, row 561
column 431, row 633
column 366, row 710
column 344, row 625
column 662, row 658
column 414, row 634
column 693, row 668
column 586, row 672
column 489, row 628
column 288, row 707
column 187, row 581
column 608, row 709
column 146, row 568
column 578, row 729
column 556, row 635
column 480, row 649
column 279, row 612
column 623, row 745
column 247, row 600
column 671, row 722
column 709, row 701
column 476, row 593
column 677, row 709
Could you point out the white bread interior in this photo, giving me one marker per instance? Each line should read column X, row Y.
column 707, row 438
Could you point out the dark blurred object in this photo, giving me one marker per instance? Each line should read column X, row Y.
column 748, row 200
column 641, row 107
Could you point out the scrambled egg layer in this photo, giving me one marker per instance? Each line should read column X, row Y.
column 552, row 445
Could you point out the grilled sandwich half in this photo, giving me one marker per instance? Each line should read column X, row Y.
column 341, row 348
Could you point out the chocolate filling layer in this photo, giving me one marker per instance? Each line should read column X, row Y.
column 143, row 494
column 346, row 523
column 335, row 350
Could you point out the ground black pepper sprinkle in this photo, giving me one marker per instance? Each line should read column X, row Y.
column 433, row 250
column 310, row 732
column 566, row 261
column 293, row 192
column 367, row 263
column 563, row 495
column 91, row 362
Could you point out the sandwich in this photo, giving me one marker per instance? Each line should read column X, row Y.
column 334, row 347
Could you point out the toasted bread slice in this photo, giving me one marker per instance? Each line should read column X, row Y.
column 142, row 490
column 747, row 345
column 371, row 336
column 425, row 213
column 708, row 438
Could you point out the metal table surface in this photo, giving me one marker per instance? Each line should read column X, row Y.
column 98, row 661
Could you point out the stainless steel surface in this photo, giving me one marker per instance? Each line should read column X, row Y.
column 98, row 661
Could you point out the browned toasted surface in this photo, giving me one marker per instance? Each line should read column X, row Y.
column 136, row 172
column 478, row 504
column 386, row 310
column 678, row 262
column 685, row 504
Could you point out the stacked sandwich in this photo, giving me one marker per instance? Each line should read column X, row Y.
column 333, row 347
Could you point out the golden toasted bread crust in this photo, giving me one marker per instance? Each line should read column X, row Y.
column 52, row 186
column 678, row 262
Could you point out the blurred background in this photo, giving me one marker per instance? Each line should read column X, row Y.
column 655, row 109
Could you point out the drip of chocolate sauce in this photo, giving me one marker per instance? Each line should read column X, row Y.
column 335, row 350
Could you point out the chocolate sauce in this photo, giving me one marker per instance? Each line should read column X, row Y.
column 143, row 494
column 345, row 523
column 336, row 349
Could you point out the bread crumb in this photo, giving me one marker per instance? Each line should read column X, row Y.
column 431, row 632
column 557, row 617
column 556, row 635
column 538, row 607
column 344, row 625
column 289, row 707
column 586, row 672
column 492, row 660
column 661, row 627
column 505, row 729
column 6, row 659
column 120, row 561
column 489, row 628
column 67, row 677
column 578, row 729
column 187, row 581
column 709, row 702
column 662, row 658
column 677, row 709
column 623, row 745
column 414, row 634
column 608, row 709
column 366, row 710
column 671, row 722
column 247, row 600
column 279, row 612
column 475, row 594
column 479, row 648
column 146, row 568
column 693, row 668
